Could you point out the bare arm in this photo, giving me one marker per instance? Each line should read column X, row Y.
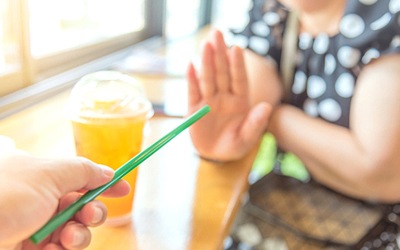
column 363, row 161
column 264, row 81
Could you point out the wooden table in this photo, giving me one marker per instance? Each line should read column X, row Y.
column 181, row 202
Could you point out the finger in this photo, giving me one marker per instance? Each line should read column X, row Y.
column 238, row 71
column 92, row 214
column 65, row 201
column 95, row 212
column 77, row 173
column 194, row 94
column 68, row 199
column 53, row 246
column 75, row 236
column 255, row 123
column 221, row 62
column 207, row 72
column 119, row 189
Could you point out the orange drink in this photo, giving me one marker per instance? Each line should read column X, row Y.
column 108, row 118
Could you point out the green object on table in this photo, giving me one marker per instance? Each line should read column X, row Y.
column 66, row 214
column 292, row 166
column 267, row 158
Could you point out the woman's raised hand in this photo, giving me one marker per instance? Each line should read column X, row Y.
column 232, row 127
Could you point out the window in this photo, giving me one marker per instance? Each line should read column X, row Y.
column 91, row 21
column 231, row 14
column 10, row 51
column 183, row 18
column 37, row 42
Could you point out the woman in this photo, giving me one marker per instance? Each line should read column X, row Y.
column 342, row 116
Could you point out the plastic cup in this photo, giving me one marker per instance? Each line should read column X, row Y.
column 109, row 111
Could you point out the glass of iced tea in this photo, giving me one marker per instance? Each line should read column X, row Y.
column 109, row 111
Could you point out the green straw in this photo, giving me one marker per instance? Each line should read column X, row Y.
column 66, row 214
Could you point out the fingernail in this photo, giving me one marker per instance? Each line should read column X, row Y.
column 107, row 171
column 78, row 239
column 97, row 216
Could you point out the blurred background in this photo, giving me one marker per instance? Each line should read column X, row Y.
column 45, row 45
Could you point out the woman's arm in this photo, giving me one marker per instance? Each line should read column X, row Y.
column 263, row 79
column 363, row 161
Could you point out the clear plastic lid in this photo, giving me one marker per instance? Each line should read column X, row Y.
column 108, row 94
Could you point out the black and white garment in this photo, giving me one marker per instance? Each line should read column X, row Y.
column 327, row 67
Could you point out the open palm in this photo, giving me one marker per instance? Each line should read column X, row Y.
column 232, row 127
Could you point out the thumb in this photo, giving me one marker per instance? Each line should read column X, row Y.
column 78, row 173
column 256, row 123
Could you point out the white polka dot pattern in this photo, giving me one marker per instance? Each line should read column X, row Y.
column 321, row 44
column 370, row 55
column 305, row 41
column 311, row 107
column 330, row 64
column 330, row 109
column 352, row 26
column 327, row 67
column 260, row 29
column 316, row 86
column 241, row 41
column 299, row 84
column 368, row 2
column 394, row 6
column 271, row 18
column 259, row 45
column 381, row 22
column 348, row 56
column 250, row 4
column 395, row 42
column 345, row 85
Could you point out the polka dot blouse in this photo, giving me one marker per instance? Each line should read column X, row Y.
column 327, row 67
